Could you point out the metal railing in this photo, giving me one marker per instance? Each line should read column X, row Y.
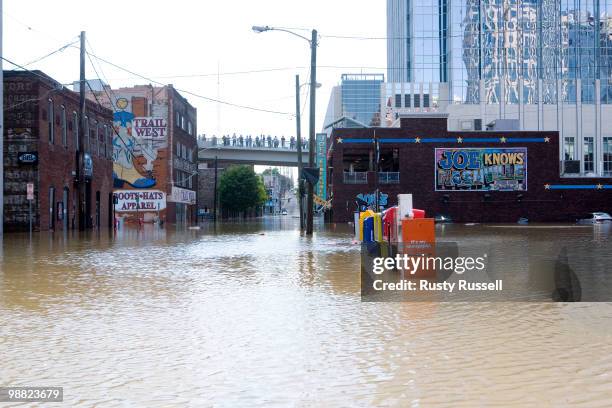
column 251, row 144
column 388, row 177
column 356, row 177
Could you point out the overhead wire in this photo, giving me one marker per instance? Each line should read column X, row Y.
column 62, row 48
column 235, row 105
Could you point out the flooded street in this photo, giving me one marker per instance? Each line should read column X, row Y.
column 254, row 314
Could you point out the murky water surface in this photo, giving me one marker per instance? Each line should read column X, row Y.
column 253, row 315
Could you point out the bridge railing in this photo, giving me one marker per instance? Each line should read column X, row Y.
column 252, row 144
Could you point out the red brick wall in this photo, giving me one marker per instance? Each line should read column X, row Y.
column 56, row 161
column 417, row 176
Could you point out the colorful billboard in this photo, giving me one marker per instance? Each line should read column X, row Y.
column 481, row 169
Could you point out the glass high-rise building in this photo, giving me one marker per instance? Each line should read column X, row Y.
column 544, row 63
column 361, row 97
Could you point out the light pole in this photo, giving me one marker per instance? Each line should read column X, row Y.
column 298, row 137
column 313, row 86
column 298, row 121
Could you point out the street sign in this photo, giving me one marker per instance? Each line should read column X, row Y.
column 30, row 191
column 310, row 174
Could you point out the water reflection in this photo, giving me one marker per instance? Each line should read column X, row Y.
column 248, row 314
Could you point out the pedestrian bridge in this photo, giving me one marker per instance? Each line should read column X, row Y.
column 242, row 154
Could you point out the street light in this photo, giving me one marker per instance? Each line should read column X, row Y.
column 313, row 88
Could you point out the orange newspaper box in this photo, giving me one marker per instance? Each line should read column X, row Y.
column 418, row 230
column 419, row 238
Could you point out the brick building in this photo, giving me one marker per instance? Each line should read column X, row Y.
column 41, row 136
column 154, row 153
column 481, row 176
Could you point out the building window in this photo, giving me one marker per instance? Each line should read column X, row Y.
column 407, row 100
column 93, row 138
column 589, row 163
column 417, row 101
column 178, row 119
column 51, row 203
column 426, row 100
column 107, row 142
column 398, row 100
column 607, row 156
column 568, row 148
column 189, row 129
column 100, row 140
column 75, row 129
column 64, row 125
column 50, row 116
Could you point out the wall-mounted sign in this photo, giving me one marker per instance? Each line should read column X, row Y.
column 27, row 158
column 139, row 200
column 182, row 195
column 149, row 128
column 481, row 169
column 87, row 165
column 30, row 191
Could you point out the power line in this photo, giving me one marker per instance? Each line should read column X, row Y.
column 46, row 78
column 193, row 93
column 62, row 48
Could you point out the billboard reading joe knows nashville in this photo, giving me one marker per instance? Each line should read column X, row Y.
column 481, row 169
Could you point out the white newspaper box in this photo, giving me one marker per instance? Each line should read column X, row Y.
column 404, row 210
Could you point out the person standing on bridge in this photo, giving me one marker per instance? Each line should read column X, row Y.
column 283, row 141
column 240, row 141
column 269, row 141
column 234, row 139
column 275, row 141
column 291, row 142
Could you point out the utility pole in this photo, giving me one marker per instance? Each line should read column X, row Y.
column 298, row 121
column 215, row 194
column 1, row 130
column 311, row 142
column 80, row 174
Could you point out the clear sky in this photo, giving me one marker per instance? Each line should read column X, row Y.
column 186, row 43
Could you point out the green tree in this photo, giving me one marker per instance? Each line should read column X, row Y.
column 240, row 189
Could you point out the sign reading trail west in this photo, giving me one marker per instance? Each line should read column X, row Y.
column 481, row 169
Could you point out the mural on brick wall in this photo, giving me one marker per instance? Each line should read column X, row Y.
column 481, row 169
column 140, row 151
column 137, row 142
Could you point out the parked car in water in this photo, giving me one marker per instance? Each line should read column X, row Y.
column 594, row 218
column 442, row 219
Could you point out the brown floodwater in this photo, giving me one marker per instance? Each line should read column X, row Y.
column 253, row 314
